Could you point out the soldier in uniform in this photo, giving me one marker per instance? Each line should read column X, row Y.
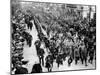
column 41, row 56
column 59, row 60
column 40, row 51
column 49, row 63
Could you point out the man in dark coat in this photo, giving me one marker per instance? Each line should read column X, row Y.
column 59, row 60
column 49, row 63
column 40, row 51
column 41, row 55
column 21, row 70
column 36, row 68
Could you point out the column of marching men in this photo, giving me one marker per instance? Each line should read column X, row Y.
column 77, row 44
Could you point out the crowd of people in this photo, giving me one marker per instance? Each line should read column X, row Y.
column 78, row 43
column 74, row 40
column 19, row 24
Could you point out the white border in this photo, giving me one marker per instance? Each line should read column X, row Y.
column 5, row 36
